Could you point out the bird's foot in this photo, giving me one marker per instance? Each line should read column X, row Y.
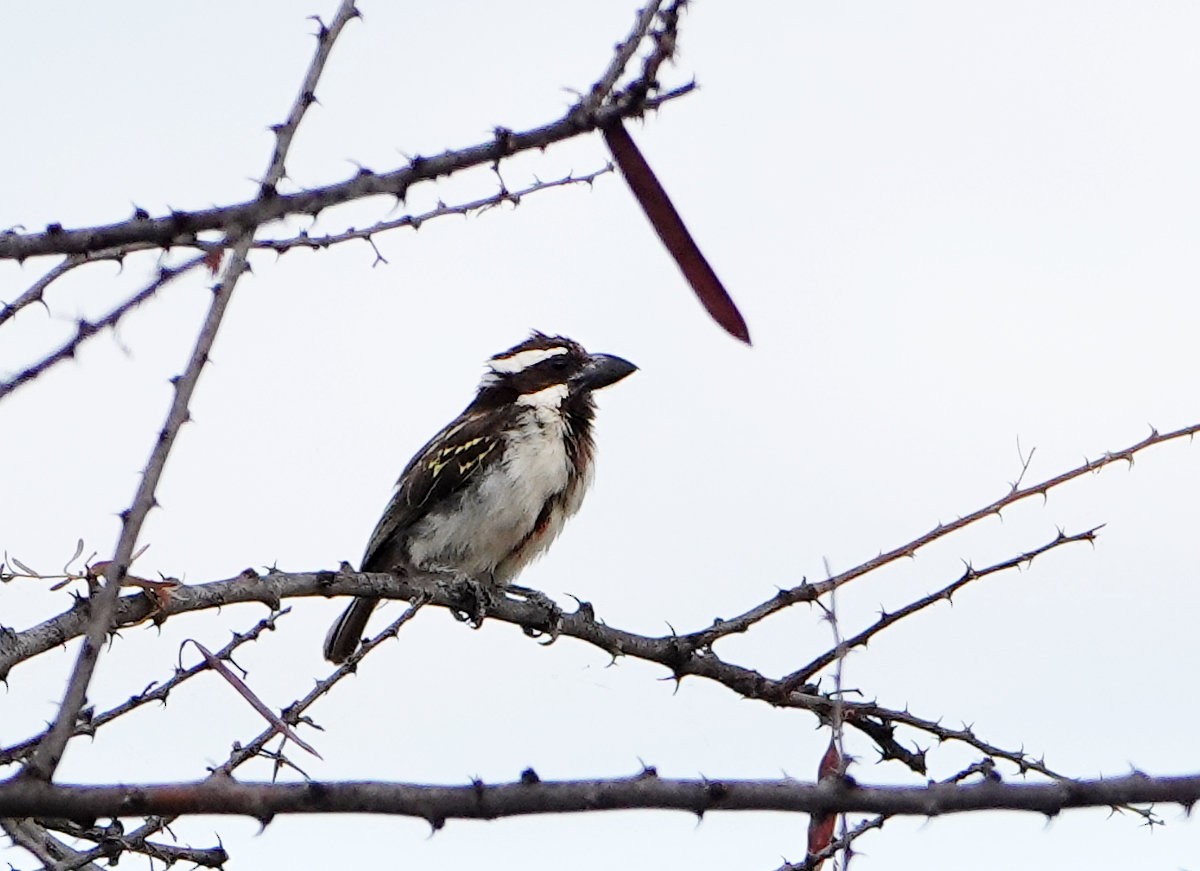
column 472, row 600
column 553, row 618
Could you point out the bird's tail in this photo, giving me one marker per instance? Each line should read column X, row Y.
column 345, row 634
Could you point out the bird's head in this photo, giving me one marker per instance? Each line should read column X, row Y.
column 547, row 370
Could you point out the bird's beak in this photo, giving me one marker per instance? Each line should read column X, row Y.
column 602, row 370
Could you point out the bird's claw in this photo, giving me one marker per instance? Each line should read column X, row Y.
column 475, row 599
column 554, row 614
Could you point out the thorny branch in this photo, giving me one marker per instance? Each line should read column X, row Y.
column 111, row 841
column 677, row 653
column 804, row 674
column 305, row 240
column 219, row 794
column 49, row 850
column 85, row 329
column 36, row 291
column 158, row 692
column 183, row 228
column 985, row 767
column 88, row 329
column 806, row 592
column 49, row 752
column 292, row 715
column 683, row 655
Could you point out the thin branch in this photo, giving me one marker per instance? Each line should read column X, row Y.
column 158, row 692
column 625, row 49
column 45, row 759
column 220, row 794
column 292, row 715
column 112, row 842
column 101, row 605
column 47, row 849
column 182, row 228
column 36, row 291
column 286, row 132
column 304, row 240
column 282, row 245
column 684, row 655
column 803, row 675
column 985, row 767
column 278, row 725
column 85, row 329
column 807, row 592
column 664, row 39
column 676, row 653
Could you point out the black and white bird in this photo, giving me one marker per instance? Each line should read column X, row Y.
column 493, row 489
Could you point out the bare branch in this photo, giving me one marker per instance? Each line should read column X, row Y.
column 625, row 49
column 85, row 329
column 285, row 132
column 220, row 794
column 292, row 715
column 679, row 654
column 112, row 841
column 182, row 228
column 51, row 852
column 102, row 605
column 278, row 725
column 803, row 675
column 36, row 291
column 158, row 692
column 807, row 592
column 304, row 240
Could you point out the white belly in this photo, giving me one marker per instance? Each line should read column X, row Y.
column 502, row 511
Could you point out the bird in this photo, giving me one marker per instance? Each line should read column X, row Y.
column 494, row 487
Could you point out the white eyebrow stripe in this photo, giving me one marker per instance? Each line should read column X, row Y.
column 522, row 360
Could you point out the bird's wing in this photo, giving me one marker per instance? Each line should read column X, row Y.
column 463, row 449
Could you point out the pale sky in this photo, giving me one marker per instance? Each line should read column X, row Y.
column 953, row 228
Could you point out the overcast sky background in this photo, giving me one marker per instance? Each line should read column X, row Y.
column 952, row 228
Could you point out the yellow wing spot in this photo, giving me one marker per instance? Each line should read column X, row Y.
column 446, row 456
column 465, row 446
column 471, row 464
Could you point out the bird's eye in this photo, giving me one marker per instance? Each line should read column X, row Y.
column 559, row 364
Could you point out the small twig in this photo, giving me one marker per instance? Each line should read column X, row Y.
column 625, row 49
column 183, row 228
column 36, row 291
column 304, row 240
column 113, row 842
column 985, row 767
column 51, row 852
column 102, row 605
column 285, row 132
column 803, row 675
column 674, row 652
column 835, row 761
column 277, row 725
column 85, row 329
column 291, row 714
column 664, row 49
column 159, row 692
column 807, row 592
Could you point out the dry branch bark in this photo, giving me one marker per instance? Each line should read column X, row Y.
column 529, row 795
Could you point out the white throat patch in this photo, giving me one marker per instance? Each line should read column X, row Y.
column 547, row 397
column 522, row 360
